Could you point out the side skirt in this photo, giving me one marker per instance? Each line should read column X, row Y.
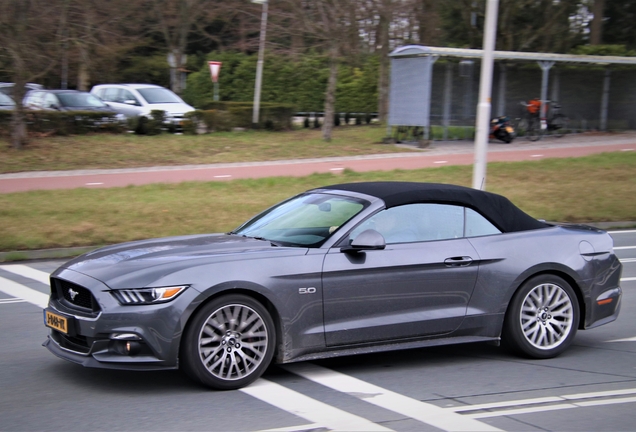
column 362, row 349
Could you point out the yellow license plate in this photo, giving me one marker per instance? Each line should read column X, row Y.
column 56, row 322
column 508, row 129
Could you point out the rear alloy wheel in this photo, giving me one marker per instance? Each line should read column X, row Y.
column 542, row 317
column 229, row 343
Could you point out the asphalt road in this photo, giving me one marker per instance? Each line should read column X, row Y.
column 464, row 387
column 440, row 153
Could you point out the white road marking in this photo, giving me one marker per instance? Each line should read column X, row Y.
column 632, row 339
column 11, row 300
column 308, row 408
column 440, row 162
column 600, row 396
column 14, row 289
column 628, row 279
column 623, row 232
column 624, row 247
column 94, row 184
column 308, row 427
column 513, row 403
column 409, row 407
column 27, row 271
column 537, row 155
column 520, row 411
column 223, row 176
column 627, row 149
column 336, row 169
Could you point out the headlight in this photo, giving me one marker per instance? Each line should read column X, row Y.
column 142, row 296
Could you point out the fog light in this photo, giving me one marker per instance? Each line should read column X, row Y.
column 132, row 348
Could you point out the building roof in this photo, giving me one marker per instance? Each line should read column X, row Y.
column 420, row 50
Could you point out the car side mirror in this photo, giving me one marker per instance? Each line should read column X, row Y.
column 131, row 102
column 367, row 240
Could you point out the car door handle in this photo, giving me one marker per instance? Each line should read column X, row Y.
column 461, row 261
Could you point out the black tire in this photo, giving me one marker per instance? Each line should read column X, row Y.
column 534, row 131
column 560, row 125
column 521, row 126
column 142, row 126
column 228, row 343
column 542, row 318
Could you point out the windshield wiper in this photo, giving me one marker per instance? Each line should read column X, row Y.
column 273, row 243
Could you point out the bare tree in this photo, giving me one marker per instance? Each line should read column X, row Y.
column 29, row 45
column 96, row 35
column 329, row 22
column 596, row 31
column 385, row 13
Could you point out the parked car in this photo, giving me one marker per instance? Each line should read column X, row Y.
column 6, row 103
column 340, row 270
column 138, row 100
column 7, row 88
column 64, row 100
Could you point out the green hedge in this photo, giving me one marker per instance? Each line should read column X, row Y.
column 224, row 116
column 298, row 81
column 64, row 123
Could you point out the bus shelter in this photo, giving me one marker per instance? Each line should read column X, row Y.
column 412, row 78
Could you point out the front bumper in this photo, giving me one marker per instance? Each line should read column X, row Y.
column 113, row 336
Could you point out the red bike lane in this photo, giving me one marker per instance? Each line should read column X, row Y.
column 440, row 154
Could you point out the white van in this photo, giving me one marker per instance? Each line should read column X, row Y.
column 137, row 100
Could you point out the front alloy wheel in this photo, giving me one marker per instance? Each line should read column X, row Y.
column 542, row 318
column 229, row 343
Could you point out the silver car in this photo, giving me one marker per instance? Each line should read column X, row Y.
column 138, row 100
column 340, row 270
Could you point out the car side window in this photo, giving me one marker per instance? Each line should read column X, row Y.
column 110, row 94
column 125, row 95
column 416, row 223
column 32, row 99
column 477, row 225
column 50, row 101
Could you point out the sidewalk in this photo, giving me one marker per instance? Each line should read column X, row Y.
column 438, row 154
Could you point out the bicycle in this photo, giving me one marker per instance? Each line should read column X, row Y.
column 534, row 128
column 528, row 123
column 556, row 121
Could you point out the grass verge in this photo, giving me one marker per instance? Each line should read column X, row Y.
column 132, row 151
column 589, row 189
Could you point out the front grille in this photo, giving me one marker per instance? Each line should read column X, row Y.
column 73, row 296
column 77, row 343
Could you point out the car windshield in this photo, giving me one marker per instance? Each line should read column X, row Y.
column 306, row 220
column 159, row 95
column 6, row 100
column 79, row 100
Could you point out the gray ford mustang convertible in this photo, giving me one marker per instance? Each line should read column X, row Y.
column 345, row 269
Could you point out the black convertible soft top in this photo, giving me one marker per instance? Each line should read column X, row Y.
column 496, row 208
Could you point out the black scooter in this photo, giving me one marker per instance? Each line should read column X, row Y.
column 501, row 129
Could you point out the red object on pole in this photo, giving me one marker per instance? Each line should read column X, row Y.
column 215, row 67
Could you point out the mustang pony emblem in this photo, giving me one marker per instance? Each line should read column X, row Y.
column 72, row 294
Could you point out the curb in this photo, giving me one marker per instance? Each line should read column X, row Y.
column 64, row 253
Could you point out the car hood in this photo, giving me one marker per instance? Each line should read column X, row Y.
column 87, row 108
column 171, row 108
column 140, row 263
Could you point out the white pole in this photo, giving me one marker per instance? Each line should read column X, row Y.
column 259, row 65
column 482, row 127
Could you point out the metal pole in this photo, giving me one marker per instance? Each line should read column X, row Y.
column 448, row 89
column 501, row 97
column 545, row 68
column 485, row 89
column 259, row 65
column 428, row 76
column 605, row 100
